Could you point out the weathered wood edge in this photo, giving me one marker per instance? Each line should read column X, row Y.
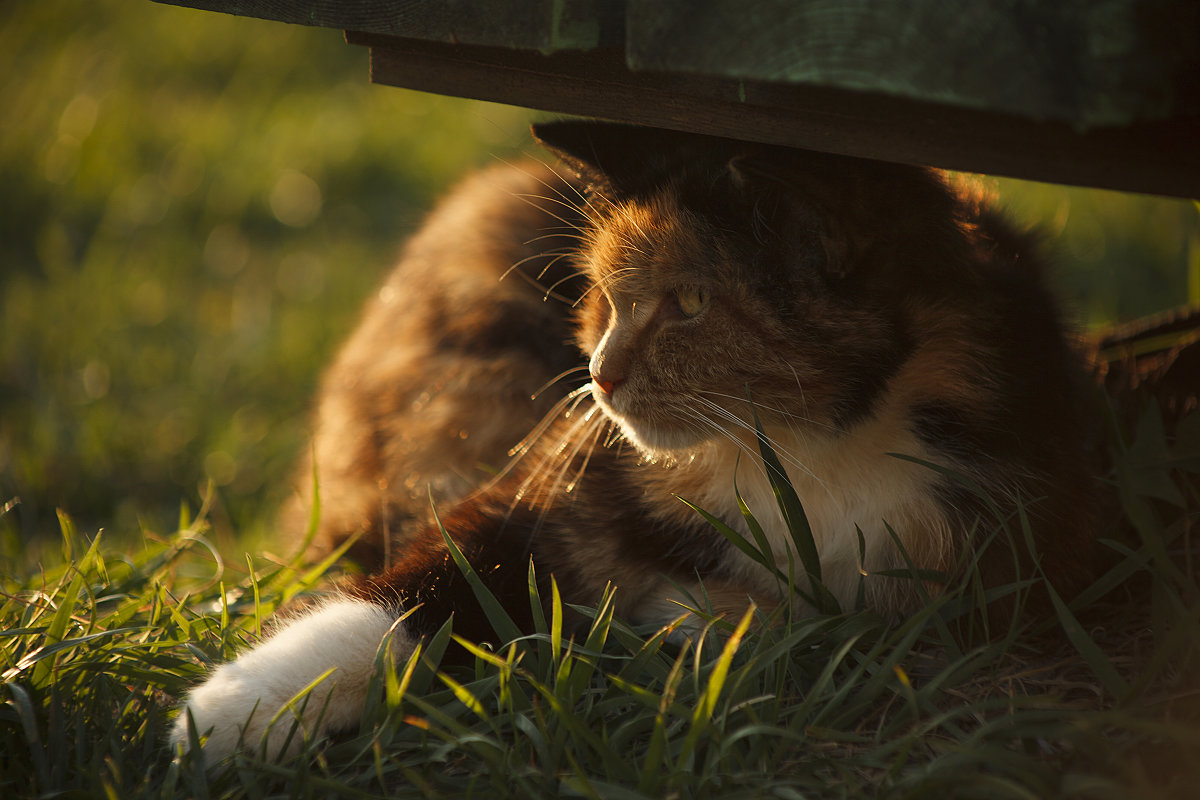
column 536, row 25
column 1154, row 158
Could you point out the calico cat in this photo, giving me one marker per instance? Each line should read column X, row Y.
column 886, row 331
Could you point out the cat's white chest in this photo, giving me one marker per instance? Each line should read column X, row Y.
column 846, row 485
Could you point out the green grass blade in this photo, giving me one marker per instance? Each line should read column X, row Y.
column 789, row 505
column 465, row 695
column 556, row 620
column 290, row 586
column 759, row 536
column 585, row 664
column 496, row 614
column 736, row 539
column 1093, row 655
column 652, row 764
column 702, row 717
column 29, row 727
column 796, row 521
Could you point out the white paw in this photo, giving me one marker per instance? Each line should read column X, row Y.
column 236, row 704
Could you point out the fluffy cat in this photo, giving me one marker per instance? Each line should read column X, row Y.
column 860, row 310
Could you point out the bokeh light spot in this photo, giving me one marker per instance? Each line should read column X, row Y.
column 295, row 199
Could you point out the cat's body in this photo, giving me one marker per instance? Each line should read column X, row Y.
column 435, row 385
column 862, row 311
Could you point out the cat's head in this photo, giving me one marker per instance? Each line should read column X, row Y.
column 726, row 271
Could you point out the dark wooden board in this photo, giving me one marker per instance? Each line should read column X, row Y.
column 1091, row 92
column 1156, row 158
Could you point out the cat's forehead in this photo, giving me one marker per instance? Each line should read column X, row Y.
column 651, row 239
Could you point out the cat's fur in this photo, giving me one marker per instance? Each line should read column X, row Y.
column 861, row 309
column 434, row 387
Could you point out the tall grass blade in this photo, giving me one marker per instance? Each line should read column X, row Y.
column 1093, row 655
column 653, row 762
column 796, row 521
column 496, row 614
column 736, row 539
column 706, row 707
column 29, row 727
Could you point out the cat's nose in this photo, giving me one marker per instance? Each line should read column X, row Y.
column 606, row 384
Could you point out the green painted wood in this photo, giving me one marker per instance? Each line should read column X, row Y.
column 1089, row 63
column 542, row 25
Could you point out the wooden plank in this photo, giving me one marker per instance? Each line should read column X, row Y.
column 1091, row 92
column 1090, row 63
column 542, row 25
column 1151, row 157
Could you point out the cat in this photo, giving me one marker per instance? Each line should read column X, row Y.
column 892, row 336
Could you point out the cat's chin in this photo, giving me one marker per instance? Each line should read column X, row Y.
column 655, row 442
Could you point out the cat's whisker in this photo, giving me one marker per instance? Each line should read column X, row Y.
column 569, row 184
column 788, row 415
column 538, row 475
column 557, row 258
column 576, row 398
column 562, row 202
column 803, row 396
column 523, row 261
column 582, row 195
column 624, row 211
column 558, row 253
column 609, row 280
column 579, row 395
column 561, row 281
column 586, row 292
column 703, row 425
column 541, row 473
column 563, row 198
column 629, row 245
column 570, row 487
column 532, row 281
column 615, row 436
column 584, row 438
column 784, row 453
column 781, row 451
column 556, row 410
column 556, row 379
column 526, row 198
column 555, row 233
column 752, row 457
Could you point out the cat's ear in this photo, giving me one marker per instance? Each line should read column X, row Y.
column 809, row 209
column 627, row 159
column 854, row 207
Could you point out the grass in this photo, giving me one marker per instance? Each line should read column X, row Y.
column 162, row 324
column 1102, row 702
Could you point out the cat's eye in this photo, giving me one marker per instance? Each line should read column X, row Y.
column 692, row 300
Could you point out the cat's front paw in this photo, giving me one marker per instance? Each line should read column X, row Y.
column 237, row 706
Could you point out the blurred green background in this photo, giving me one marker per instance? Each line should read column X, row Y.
column 193, row 207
